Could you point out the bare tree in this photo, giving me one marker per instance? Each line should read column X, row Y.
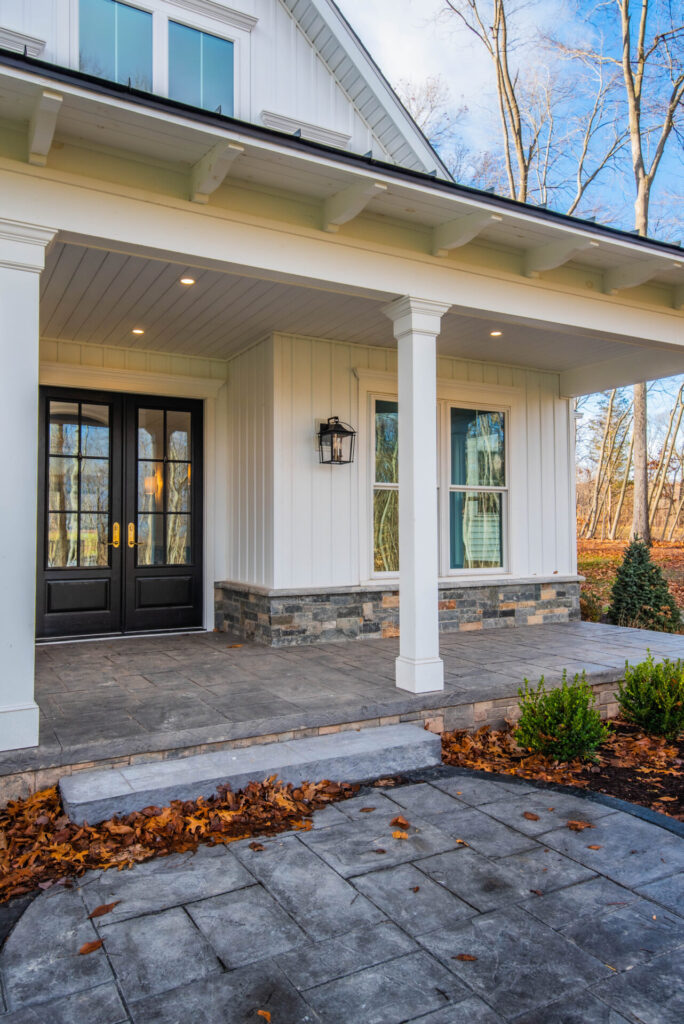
column 431, row 106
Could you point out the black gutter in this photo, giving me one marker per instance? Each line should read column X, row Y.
column 101, row 87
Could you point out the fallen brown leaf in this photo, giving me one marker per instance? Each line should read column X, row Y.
column 400, row 822
column 537, row 892
column 257, row 847
column 265, row 1014
column 379, row 849
column 103, row 909
column 465, row 958
column 398, row 834
column 416, row 888
column 579, row 826
column 90, row 947
column 366, row 810
column 594, row 847
column 530, row 816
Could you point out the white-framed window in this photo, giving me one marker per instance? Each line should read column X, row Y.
column 472, row 486
column 201, row 69
column 115, row 42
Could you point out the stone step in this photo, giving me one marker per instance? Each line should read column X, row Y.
column 353, row 756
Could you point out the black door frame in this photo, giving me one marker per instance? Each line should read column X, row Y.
column 122, row 573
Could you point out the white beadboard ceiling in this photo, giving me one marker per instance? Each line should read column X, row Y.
column 97, row 297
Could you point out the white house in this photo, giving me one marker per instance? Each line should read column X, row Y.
column 219, row 229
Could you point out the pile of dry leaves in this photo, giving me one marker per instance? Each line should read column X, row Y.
column 40, row 847
column 630, row 765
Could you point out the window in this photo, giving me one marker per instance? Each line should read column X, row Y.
column 477, row 489
column 115, row 42
column 386, row 487
column 473, row 492
column 200, row 69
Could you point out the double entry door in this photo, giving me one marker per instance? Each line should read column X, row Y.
column 120, row 513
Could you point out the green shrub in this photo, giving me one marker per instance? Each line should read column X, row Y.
column 640, row 595
column 652, row 696
column 590, row 606
column 561, row 723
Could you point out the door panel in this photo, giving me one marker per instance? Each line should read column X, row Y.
column 79, row 491
column 163, row 559
column 120, row 520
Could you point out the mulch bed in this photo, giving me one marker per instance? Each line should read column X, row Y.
column 40, row 847
column 632, row 766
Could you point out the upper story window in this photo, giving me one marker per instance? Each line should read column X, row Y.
column 115, row 42
column 200, row 69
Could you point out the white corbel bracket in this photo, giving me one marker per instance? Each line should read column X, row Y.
column 455, row 233
column 349, row 203
column 554, row 254
column 210, row 172
column 42, row 126
column 632, row 274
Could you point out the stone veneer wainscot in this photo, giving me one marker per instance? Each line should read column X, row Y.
column 283, row 618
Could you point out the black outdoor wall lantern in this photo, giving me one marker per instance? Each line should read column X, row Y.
column 336, row 442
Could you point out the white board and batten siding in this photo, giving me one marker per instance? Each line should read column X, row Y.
column 296, row 524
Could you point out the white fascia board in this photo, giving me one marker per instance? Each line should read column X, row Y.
column 446, row 204
column 342, row 34
column 638, row 366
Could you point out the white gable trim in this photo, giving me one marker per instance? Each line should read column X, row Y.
column 353, row 68
column 226, row 15
column 11, row 40
column 314, row 132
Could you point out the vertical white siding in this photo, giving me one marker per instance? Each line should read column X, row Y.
column 250, row 501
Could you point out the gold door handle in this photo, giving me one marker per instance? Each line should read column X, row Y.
column 115, row 542
column 132, row 543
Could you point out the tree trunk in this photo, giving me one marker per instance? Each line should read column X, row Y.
column 640, row 524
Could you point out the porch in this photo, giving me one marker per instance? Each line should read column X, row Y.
column 140, row 699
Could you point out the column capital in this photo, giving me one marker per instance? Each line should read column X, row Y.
column 23, row 245
column 413, row 315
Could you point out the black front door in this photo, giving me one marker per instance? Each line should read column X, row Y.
column 120, row 514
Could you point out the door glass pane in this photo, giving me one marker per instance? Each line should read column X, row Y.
column 63, row 484
column 476, row 528
column 150, row 486
column 62, row 541
column 386, row 442
column 386, row 531
column 178, row 540
column 178, row 487
column 150, row 540
column 64, row 428
column 95, row 485
column 95, row 431
column 94, row 540
column 477, row 448
column 150, row 433
column 177, row 434
column 115, row 42
column 184, row 64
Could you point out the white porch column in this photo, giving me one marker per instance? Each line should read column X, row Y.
column 419, row 667
column 22, row 257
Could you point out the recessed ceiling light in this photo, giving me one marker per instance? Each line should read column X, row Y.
column 187, row 280
column 137, row 330
column 495, row 334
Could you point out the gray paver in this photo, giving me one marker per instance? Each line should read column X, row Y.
column 478, row 791
column 234, row 997
column 521, row 964
column 321, row 902
column 553, row 810
column 167, row 882
column 583, row 1008
column 652, row 993
column 468, row 1011
column 319, row 962
column 423, row 800
column 668, row 891
column 544, row 870
column 483, row 883
column 394, row 891
column 482, row 832
column 630, row 936
column 389, row 993
column 246, row 926
column 360, row 846
column 40, row 958
column 586, row 899
column 157, row 953
column 100, row 1005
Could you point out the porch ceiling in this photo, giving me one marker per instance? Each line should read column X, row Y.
column 95, row 296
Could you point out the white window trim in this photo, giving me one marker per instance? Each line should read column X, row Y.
column 202, row 15
column 510, row 400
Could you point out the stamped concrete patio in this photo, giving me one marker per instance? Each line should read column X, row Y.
column 139, row 699
column 347, row 925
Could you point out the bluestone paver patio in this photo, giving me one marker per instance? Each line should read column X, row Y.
column 346, row 925
column 130, row 696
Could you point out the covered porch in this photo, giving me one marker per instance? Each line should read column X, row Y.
column 130, row 700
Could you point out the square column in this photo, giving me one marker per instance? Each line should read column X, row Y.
column 22, row 257
column 417, row 322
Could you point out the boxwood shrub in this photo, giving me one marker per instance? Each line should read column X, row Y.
column 562, row 723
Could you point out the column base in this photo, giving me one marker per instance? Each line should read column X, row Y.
column 19, row 727
column 419, row 675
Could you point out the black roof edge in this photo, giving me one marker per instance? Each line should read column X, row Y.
column 100, row 86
